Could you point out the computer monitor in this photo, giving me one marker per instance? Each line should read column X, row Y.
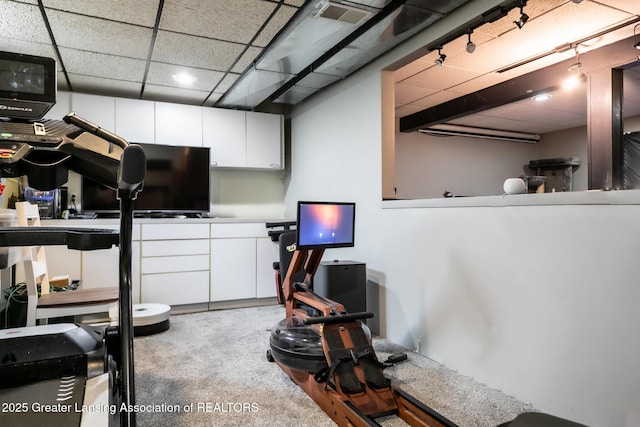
column 325, row 225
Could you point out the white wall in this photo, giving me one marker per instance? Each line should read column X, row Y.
column 567, row 143
column 247, row 193
column 240, row 193
column 538, row 301
column 427, row 165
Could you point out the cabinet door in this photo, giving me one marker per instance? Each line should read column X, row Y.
column 178, row 124
column 100, row 268
column 233, row 269
column 224, row 132
column 100, row 110
column 266, row 254
column 135, row 120
column 174, row 231
column 264, row 141
column 188, row 287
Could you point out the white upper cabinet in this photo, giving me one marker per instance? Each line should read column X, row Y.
column 135, row 120
column 99, row 110
column 224, row 132
column 264, row 141
column 178, row 124
column 238, row 139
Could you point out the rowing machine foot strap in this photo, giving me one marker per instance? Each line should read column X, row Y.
column 366, row 357
column 341, row 363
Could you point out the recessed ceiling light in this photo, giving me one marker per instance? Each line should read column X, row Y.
column 184, row 78
column 541, row 97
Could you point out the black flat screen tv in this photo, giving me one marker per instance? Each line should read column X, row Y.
column 176, row 183
column 325, row 225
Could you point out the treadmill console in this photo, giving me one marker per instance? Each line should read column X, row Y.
column 27, row 85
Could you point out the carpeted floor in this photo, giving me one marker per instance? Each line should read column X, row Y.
column 210, row 369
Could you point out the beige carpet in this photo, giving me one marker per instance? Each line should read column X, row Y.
column 210, row 369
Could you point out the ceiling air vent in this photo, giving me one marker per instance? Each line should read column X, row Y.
column 342, row 13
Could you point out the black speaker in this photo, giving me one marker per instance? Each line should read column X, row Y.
column 64, row 198
column 344, row 282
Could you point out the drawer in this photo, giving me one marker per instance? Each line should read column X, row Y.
column 174, row 231
column 175, row 247
column 225, row 231
column 175, row 288
column 174, row 264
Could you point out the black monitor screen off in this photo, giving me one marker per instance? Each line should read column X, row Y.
column 325, row 225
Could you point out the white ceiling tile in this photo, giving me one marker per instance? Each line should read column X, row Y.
column 440, row 78
column 237, row 21
column 406, row 94
column 99, row 35
column 172, row 94
column 115, row 10
column 28, row 48
column 246, row 59
column 227, row 81
column 279, row 20
column 99, row 85
column 212, row 99
column 21, row 21
column 101, row 65
column 192, row 51
column 413, row 68
column 630, row 6
column 162, row 74
column 297, row 3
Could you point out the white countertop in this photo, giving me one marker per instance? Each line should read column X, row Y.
column 596, row 197
column 215, row 220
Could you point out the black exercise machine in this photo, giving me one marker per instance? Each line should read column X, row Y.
column 328, row 352
column 47, row 372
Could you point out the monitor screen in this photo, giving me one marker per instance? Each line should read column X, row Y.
column 325, row 225
column 177, row 181
column 27, row 85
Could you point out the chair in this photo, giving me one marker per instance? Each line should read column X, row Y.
column 56, row 304
column 286, row 242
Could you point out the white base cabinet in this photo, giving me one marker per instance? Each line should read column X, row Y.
column 179, row 263
column 174, row 263
column 233, row 269
column 266, row 253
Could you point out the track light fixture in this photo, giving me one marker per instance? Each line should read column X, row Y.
column 523, row 17
column 440, row 60
column 576, row 66
column 471, row 46
column 636, row 43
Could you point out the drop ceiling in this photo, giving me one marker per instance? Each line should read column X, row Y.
column 242, row 53
column 248, row 53
column 421, row 84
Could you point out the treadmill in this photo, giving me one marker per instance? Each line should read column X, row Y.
column 65, row 374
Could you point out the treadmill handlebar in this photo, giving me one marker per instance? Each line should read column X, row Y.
column 84, row 124
column 133, row 164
